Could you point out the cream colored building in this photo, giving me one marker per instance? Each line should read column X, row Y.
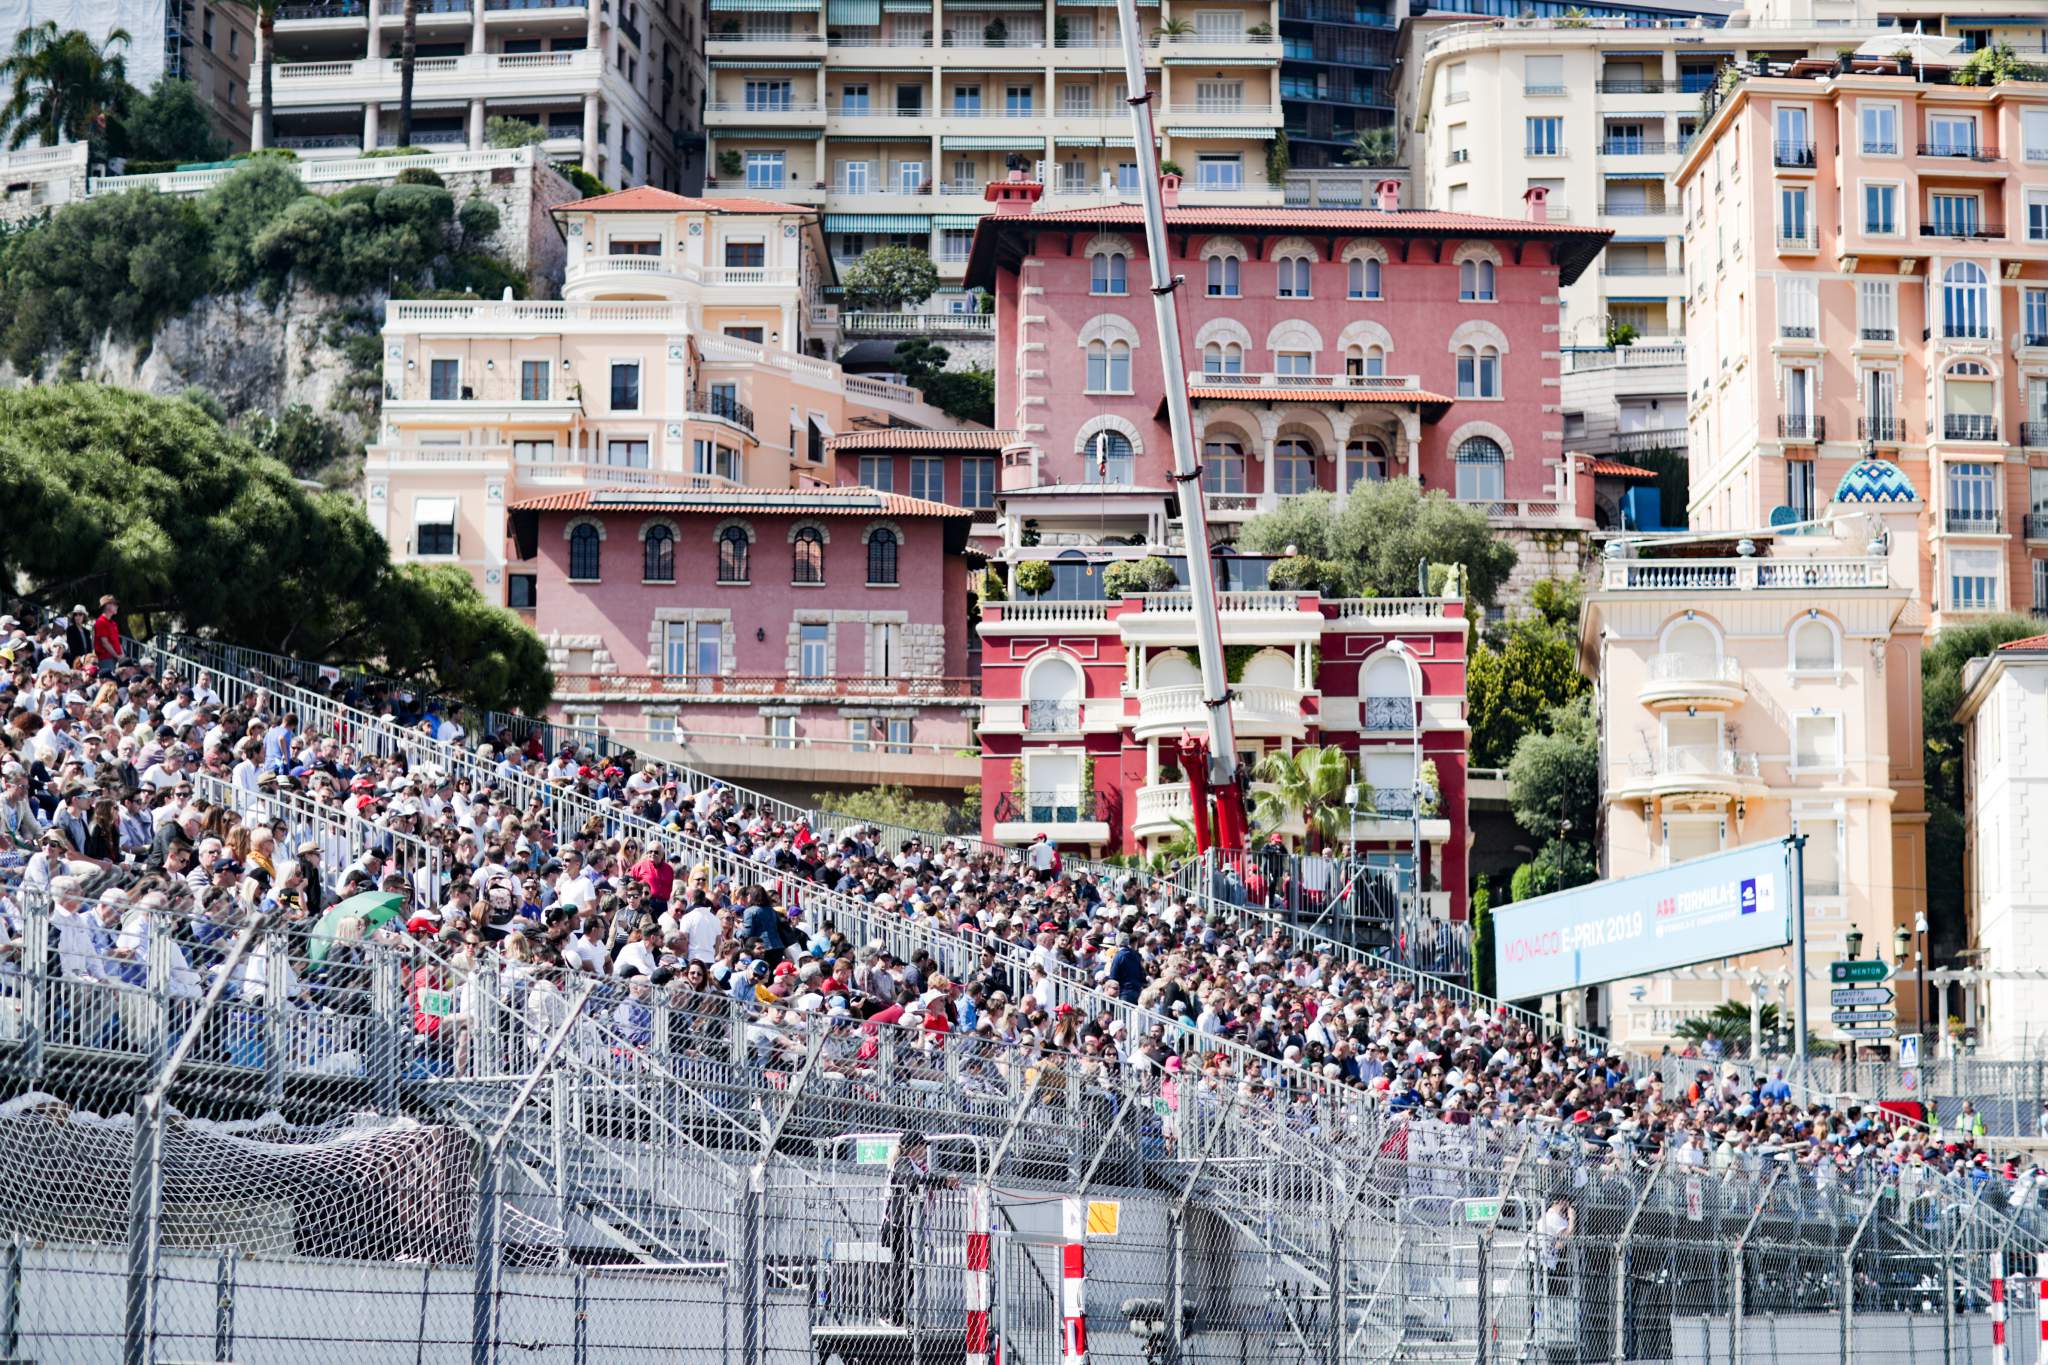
column 1756, row 686
column 616, row 85
column 684, row 354
column 893, row 115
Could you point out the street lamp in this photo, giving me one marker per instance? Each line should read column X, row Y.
column 1407, row 651
column 1855, row 944
column 1920, row 974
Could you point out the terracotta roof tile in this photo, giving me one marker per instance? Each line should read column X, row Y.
column 1615, row 469
column 917, row 438
column 647, row 199
column 844, row 500
column 1253, row 393
column 2031, row 642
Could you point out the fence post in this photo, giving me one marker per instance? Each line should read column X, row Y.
column 579, row 1326
column 1737, row 1291
column 1334, row 1348
column 1948, row 1303
column 484, row 1286
column 558, row 1133
column 391, row 1024
column 1619, row 1349
column 35, row 955
column 10, row 1300
column 145, row 1209
column 1847, row 1348
column 1484, row 1314
column 224, row 1306
column 747, row 1265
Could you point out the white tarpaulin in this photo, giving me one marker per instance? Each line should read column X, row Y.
column 143, row 19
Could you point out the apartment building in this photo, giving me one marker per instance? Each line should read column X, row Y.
column 1868, row 272
column 1085, row 701
column 1337, row 63
column 680, row 357
column 892, row 115
column 1752, row 689
column 616, row 85
column 2004, row 716
column 206, row 42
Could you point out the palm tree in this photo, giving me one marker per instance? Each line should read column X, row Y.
column 265, row 14
column 1372, row 147
column 63, row 87
column 1174, row 28
column 1311, row 782
column 407, row 47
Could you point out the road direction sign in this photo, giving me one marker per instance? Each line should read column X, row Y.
column 1860, row 995
column 1880, row 1031
column 1864, row 1017
column 1867, row 969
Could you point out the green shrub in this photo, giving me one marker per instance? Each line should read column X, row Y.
column 992, row 589
column 506, row 133
column 266, row 154
column 415, row 205
column 1150, row 574
column 478, row 218
column 237, row 210
column 134, row 167
column 365, row 195
column 1301, row 573
column 399, row 151
column 123, row 263
column 420, row 175
column 588, row 185
column 1033, row 577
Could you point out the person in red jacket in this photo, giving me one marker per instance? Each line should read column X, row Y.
column 106, row 633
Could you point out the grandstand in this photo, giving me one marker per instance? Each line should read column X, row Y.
column 429, row 1145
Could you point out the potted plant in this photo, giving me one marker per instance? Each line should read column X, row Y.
column 730, row 164
column 1260, row 31
column 1431, row 802
column 1059, row 32
column 1129, row 576
column 1171, row 168
column 996, row 33
column 1174, row 28
column 1033, row 576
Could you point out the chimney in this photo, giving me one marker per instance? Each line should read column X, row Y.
column 1387, row 196
column 1537, row 197
column 1169, row 191
column 1013, row 195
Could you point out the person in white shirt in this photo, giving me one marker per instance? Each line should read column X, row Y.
column 702, row 927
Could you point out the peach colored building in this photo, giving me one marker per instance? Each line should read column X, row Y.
column 683, row 354
column 1751, row 687
column 1867, row 273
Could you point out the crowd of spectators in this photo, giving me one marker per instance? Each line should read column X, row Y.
column 127, row 789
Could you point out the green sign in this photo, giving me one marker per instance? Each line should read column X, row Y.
column 1861, row 969
column 873, row 1151
column 1482, row 1210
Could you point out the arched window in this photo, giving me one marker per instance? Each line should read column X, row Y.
column 1813, row 647
column 1475, row 282
column 807, row 552
column 1294, row 466
column 1969, row 407
column 584, row 544
column 881, row 555
column 1369, row 362
column 1694, row 642
column 1223, row 277
column 1389, row 694
column 1108, row 458
column 1054, row 697
column 658, row 555
column 732, row 555
column 1965, row 301
column 1223, row 357
column 1109, row 273
column 1478, row 372
column 1293, row 272
column 1109, row 367
column 1364, row 462
column 1223, row 467
column 1482, row 470
column 1363, row 278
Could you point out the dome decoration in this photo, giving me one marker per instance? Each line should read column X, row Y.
column 1875, row 481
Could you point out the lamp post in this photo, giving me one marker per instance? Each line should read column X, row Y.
column 1407, row 651
column 1902, row 943
column 1920, row 975
column 1855, row 941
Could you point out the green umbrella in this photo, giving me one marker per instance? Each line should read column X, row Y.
column 375, row 907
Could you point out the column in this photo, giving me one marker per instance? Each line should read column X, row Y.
column 255, row 84
column 590, row 122
column 476, row 125
column 373, row 118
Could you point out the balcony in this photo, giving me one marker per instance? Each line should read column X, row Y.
column 1254, row 710
column 1636, row 146
column 1633, row 86
column 723, row 406
column 1389, row 713
column 1965, row 231
column 2034, row 434
column 1683, row 682
column 1806, row 428
column 865, row 324
column 2034, row 526
column 1390, row 387
column 1065, row 817
column 1683, row 576
column 1052, row 717
column 1882, row 431
column 1968, row 426
column 506, row 75
column 1959, row 522
column 1878, row 334
column 1706, row 770
column 631, row 685
column 1807, row 240
column 1948, row 151
column 1163, row 808
column 1794, row 154
column 1613, row 210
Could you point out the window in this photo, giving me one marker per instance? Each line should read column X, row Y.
column 853, row 98
column 1969, row 403
column 584, row 547
column 1364, row 462
column 1821, row 860
column 1482, row 470
column 878, row 472
column 1881, row 406
column 2034, row 134
column 626, row 387
column 1951, row 135
column 1219, row 171
column 928, row 478
column 1223, row 277
column 1222, row 357
column 1880, row 124
column 708, row 457
column 1478, row 372
column 1296, row 364
column 1543, row 136
column 533, row 381
column 967, row 99
column 1543, row 75
column 732, row 555
column 745, row 256
column 2034, row 317
column 910, row 177
column 444, row 380
column 534, row 452
column 1076, row 99
column 1972, row 497
column 881, row 556
column 1881, row 210
column 899, row 734
column 1293, row 276
column 1294, row 467
column 658, row 555
column 1223, row 467
column 626, row 454
column 1112, row 460
column 1219, row 97
column 434, row 526
column 1965, row 301
column 764, row 170
column 2037, row 216
column 1454, row 84
column 1877, row 306
column 1973, row 579
column 1367, row 363
column 858, row 733
column 1475, row 282
column 1109, row 367
column 1795, row 136
column 807, row 553
column 522, row 591
column 885, row 649
column 1363, row 278
column 814, row 650
column 1795, row 217
column 1813, row 647
column 1952, row 215
column 853, row 179
column 767, row 97
column 1799, row 488
column 1108, row 273
column 1798, row 307
column 978, row 482
column 1816, row 743
column 1017, row 101
column 782, row 732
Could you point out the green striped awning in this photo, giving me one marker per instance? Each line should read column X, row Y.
column 1273, row 60
column 1094, row 142
column 768, row 64
column 991, row 142
column 955, row 221
column 756, row 6
column 966, row 7
column 906, row 6
column 770, row 134
column 859, row 13
column 1263, row 134
column 878, row 222
column 1632, row 175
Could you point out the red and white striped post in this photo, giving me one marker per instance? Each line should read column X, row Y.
column 1999, row 1354
column 2041, row 1306
column 1073, row 1284
column 977, row 1275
